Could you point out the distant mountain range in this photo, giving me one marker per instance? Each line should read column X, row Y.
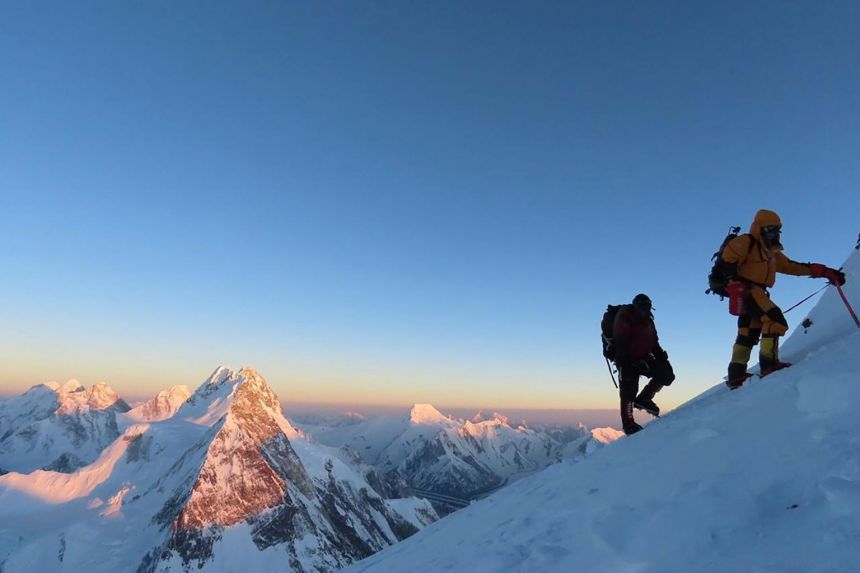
column 219, row 480
column 454, row 457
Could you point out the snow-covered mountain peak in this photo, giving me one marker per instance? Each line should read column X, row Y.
column 240, row 477
column 71, row 386
column 227, row 392
column 162, row 406
column 606, row 435
column 426, row 414
column 37, row 403
column 59, row 428
column 223, row 477
column 254, row 398
column 222, row 377
column 75, row 398
column 212, row 398
column 49, row 390
column 495, row 417
column 219, row 375
column 256, row 387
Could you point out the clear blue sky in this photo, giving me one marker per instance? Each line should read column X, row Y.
column 405, row 201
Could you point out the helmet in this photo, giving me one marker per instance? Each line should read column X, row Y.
column 642, row 303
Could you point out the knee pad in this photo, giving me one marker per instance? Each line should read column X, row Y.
column 771, row 328
column 775, row 314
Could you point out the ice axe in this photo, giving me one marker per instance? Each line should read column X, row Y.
column 611, row 375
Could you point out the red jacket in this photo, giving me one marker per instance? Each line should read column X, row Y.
column 634, row 336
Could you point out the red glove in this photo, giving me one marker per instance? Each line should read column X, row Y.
column 818, row 271
column 834, row 276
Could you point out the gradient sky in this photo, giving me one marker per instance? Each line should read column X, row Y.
column 397, row 202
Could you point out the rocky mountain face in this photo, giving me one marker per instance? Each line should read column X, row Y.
column 225, row 483
column 58, row 428
column 252, row 474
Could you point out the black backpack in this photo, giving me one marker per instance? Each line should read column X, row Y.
column 722, row 272
column 606, row 326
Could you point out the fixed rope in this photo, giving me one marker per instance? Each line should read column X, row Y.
column 805, row 299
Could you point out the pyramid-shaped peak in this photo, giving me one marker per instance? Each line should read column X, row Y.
column 254, row 388
column 227, row 390
column 426, row 414
column 250, row 373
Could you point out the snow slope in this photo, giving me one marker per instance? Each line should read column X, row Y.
column 830, row 317
column 763, row 479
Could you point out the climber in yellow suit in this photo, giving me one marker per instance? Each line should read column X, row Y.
column 754, row 259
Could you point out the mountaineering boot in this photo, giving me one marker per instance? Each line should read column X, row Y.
column 768, row 366
column 768, row 359
column 737, row 375
column 645, row 399
column 647, row 405
column 628, row 424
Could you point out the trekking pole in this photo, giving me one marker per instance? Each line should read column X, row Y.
column 806, row 299
column 848, row 306
column 611, row 375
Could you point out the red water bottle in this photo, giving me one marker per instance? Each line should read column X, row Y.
column 737, row 292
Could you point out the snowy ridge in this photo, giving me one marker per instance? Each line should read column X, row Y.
column 764, row 478
column 55, row 487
